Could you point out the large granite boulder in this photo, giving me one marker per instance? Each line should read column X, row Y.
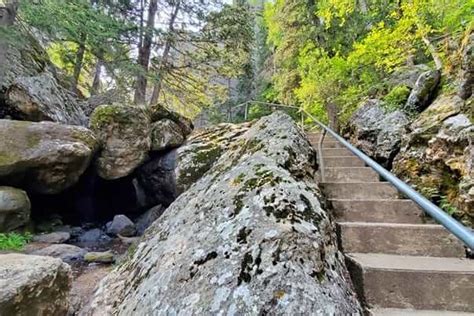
column 14, row 209
column 202, row 150
column 44, row 157
column 166, row 134
column 41, row 98
column 376, row 132
column 437, row 156
column 159, row 112
column 249, row 237
column 33, row 285
column 124, row 133
column 423, row 92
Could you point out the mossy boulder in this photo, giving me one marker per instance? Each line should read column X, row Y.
column 423, row 91
column 45, row 157
column 250, row 237
column 159, row 112
column 437, row 156
column 166, row 134
column 125, row 136
column 14, row 209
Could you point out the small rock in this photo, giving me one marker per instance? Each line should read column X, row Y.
column 67, row 253
column 121, row 225
column 53, row 238
column 423, row 91
column 14, row 208
column 101, row 257
column 33, row 285
column 147, row 218
column 93, row 235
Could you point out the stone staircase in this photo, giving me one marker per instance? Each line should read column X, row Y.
column 399, row 264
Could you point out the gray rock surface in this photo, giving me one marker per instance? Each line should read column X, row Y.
column 124, row 133
column 121, row 225
column 67, row 253
column 92, row 236
column 100, row 257
column 250, row 237
column 14, row 209
column 376, row 132
column 146, row 219
column 159, row 112
column 166, row 134
column 407, row 76
column 44, row 157
column 33, row 285
column 423, row 91
column 53, row 238
column 467, row 69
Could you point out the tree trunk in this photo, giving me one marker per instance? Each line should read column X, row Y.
column 144, row 54
column 78, row 63
column 164, row 58
column 331, row 109
column 96, row 82
column 8, row 13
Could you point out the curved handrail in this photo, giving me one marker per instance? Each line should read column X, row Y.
column 462, row 232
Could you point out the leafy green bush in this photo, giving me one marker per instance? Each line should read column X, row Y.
column 14, row 241
column 396, row 98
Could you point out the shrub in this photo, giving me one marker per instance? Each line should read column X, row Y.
column 396, row 98
column 14, row 241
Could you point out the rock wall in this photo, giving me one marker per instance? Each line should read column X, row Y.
column 249, row 237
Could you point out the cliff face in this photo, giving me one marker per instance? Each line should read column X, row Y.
column 250, row 236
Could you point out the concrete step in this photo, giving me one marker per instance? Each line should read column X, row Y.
column 350, row 174
column 399, row 239
column 336, row 152
column 345, row 161
column 317, row 136
column 414, row 312
column 359, row 191
column 388, row 211
column 426, row 283
column 329, row 144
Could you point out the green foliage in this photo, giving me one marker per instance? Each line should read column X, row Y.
column 14, row 241
column 396, row 98
column 447, row 206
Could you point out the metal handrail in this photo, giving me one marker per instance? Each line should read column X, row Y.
column 462, row 232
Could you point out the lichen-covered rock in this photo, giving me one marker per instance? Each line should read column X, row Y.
column 41, row 98
column 44, row 157
column 124, row 133
column 437, row 156
column 14, row 209
column 159, row 112
column 423, row 91
column 249, row 238
column 33, row 285
column 100, row 257
column 166, row 134
column 467, row 68
column 377, row 132
column 202, row 150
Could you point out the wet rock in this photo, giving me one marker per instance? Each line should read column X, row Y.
column 67, row 253
column 156, row 179
column 124, row 133
column 99, row 257
column 33, row 285
column 45, row 157
column 53, row 238
column 249, row 237
column 423, row 91
column 14, row 209
column 376, row 132
column 147, row 218
column 202, row 150
column 121, row 225
column 166, row 134
column 94, row 235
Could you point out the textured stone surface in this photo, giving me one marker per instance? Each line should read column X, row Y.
column 376, row 132
column 14, row 208
column 423, row 91
column 124, row 133
column 146, row 219
column 249, row 237
column 437, row 156
column 121, row 225
column 44, row 157
column 33, row 285
column 467, row 68
column 166, row 134
column 67, row 253
column 159, row 112
column 99, row 257
column 53, row 238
